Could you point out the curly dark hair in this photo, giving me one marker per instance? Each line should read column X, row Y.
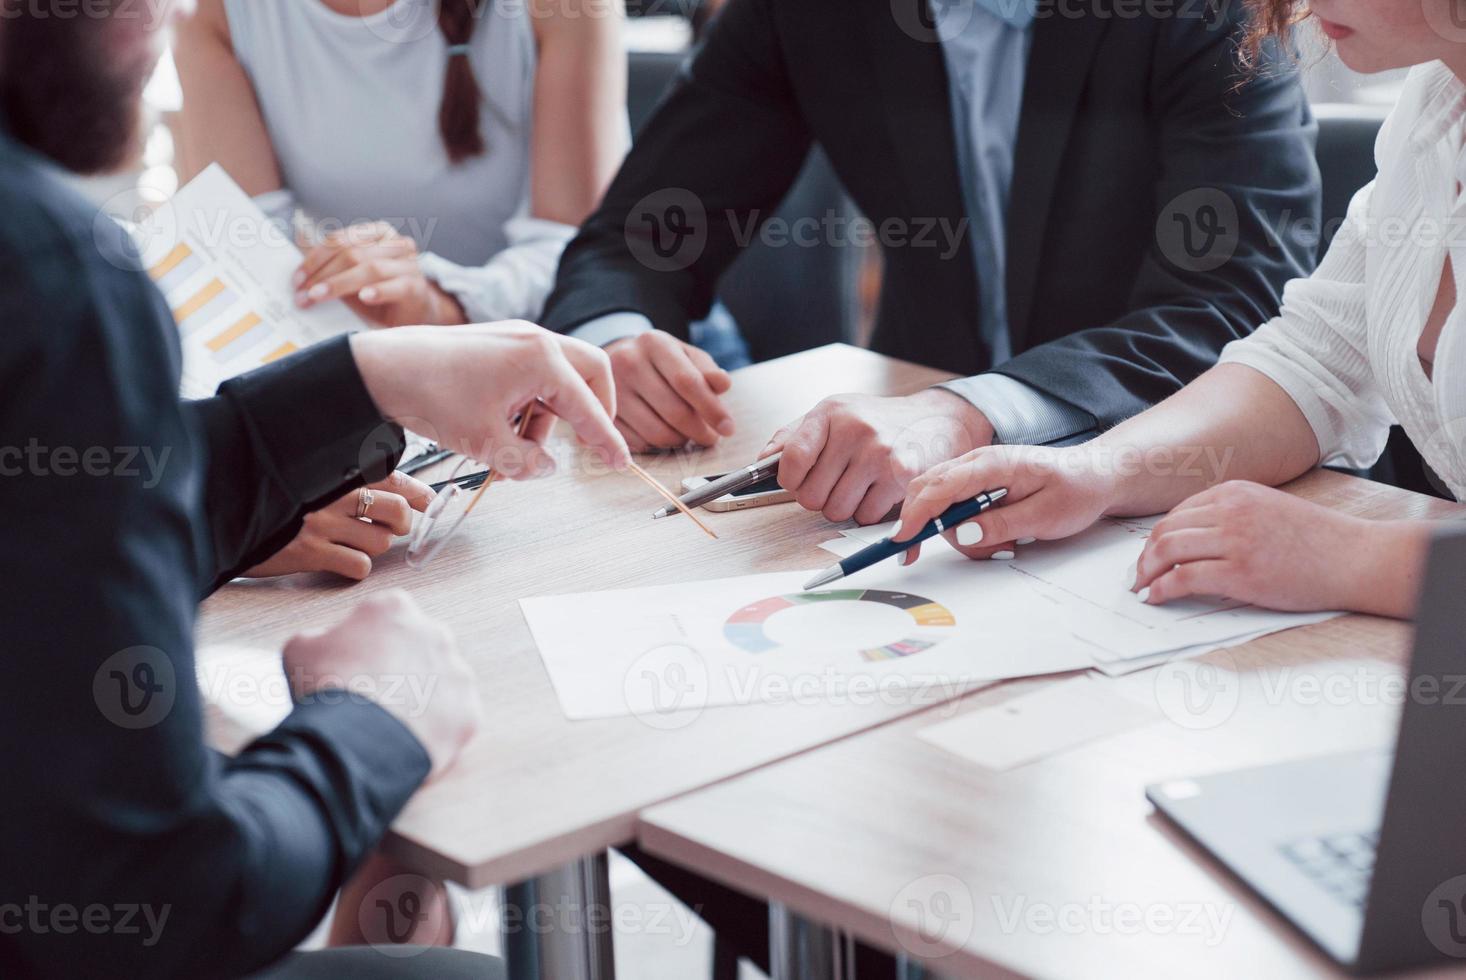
column 1269, row 19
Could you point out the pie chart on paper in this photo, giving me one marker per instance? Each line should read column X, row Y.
column 875, row 623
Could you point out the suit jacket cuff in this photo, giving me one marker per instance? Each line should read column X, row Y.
column 1021, row 414
column 360, row 761
column 313, row 423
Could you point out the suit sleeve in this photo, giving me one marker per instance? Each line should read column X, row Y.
column 721, row 151
column 283, row 441
column 142, row 852
column 1237, row 218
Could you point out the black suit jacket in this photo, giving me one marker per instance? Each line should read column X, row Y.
column 1123, row 113
column 130, row 849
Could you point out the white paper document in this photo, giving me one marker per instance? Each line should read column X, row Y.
column 1091, row 575
column 225, row 271
column 1094, row 571
column 761, row 638
column 943, row 622
column 1057, row 717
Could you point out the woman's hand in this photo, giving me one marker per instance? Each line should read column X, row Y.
column 375, row 271
column 337, row 538
column 1250, row 542
column 1052, row 493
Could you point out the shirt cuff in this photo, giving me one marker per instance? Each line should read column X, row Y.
column 313, row 422
column 612, row 327
column 1019, row 413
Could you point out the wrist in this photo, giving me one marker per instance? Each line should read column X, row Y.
column 969, row 429
column 446, row 310
column 377, row 362
column 1384, row 568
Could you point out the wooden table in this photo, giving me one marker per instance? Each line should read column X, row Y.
column 535, row 791
column 975, row 873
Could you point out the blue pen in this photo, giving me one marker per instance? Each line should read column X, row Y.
column 886, row 548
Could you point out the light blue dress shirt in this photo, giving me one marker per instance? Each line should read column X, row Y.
column 985, row 44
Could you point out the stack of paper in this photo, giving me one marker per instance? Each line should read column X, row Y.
column 940, row 624
column 1092, row 573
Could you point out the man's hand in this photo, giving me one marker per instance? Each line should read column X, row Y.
column 854, row 455
column 382, row 643
column 335, row 539
column 465, row 387
column 668, row 393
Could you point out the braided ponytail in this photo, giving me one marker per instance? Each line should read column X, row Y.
column 458, row 116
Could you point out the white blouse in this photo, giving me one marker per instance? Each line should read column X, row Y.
column 1344, row 345
column 351, row 105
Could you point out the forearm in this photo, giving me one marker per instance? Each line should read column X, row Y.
column 1390, row 563
column 1232, row 423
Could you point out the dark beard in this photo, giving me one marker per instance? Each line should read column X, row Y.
column 64, row 94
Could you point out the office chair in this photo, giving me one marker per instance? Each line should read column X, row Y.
column 789, row 298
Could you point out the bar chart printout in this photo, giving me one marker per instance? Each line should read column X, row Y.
column 225, row 272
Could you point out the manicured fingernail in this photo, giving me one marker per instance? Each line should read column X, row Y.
column 896, row 531
column 1023, row 541
column 301, row 299
column 298, row 279
column 319, row 291
column 1134, row 576
column 726, row 427
column 1003, row 556
column 1144, row 594
column 969, row 534
column 368, row 295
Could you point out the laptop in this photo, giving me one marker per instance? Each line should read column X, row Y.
column 1364, row 852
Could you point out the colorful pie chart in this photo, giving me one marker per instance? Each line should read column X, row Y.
column 747, row 628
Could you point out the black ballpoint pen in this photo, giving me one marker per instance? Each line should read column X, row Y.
column 886, row 548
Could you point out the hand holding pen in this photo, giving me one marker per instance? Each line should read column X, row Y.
column 1052, row 494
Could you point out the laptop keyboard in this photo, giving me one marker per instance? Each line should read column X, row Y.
column 1341, row 863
